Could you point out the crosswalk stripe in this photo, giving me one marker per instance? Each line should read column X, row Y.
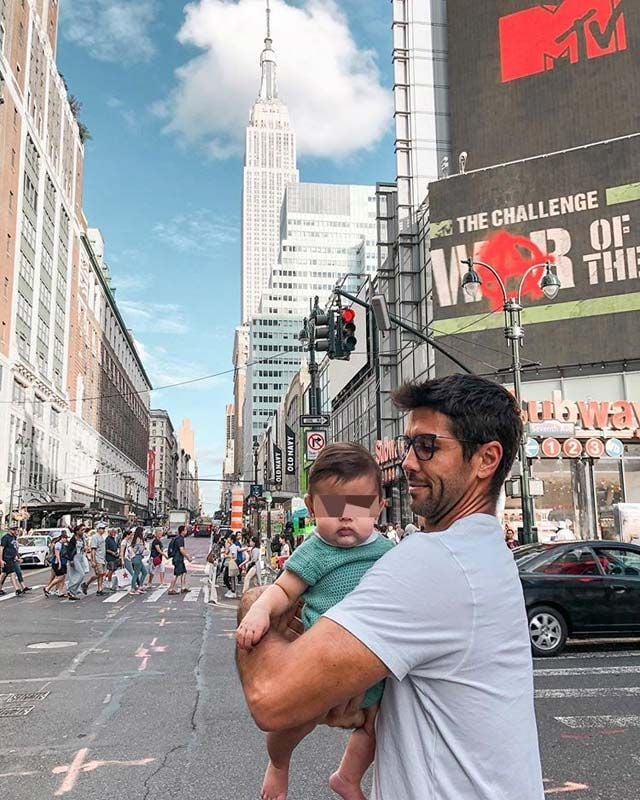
column 156, row 595
column 13, row 594
column 620, row 654
column 558, row 694
column 554, row 673
column 192, row 596
column 116, row 598
column 205, row 594
column 600, row 722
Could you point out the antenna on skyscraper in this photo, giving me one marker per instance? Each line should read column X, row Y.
column 268, row 21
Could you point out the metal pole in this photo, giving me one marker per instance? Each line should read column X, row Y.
column 514, row 334
column 14, row 469
column 313, row 377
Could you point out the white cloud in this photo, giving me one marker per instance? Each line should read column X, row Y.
column 197, row 232
column 111, row 30
column 331, row 86
column 147, row 317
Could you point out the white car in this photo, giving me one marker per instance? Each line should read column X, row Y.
column 34, row 549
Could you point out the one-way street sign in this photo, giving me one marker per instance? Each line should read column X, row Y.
column 315, row 420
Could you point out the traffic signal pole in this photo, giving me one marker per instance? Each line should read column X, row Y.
column 403, row 325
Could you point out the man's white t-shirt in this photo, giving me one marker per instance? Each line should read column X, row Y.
column 445, row 613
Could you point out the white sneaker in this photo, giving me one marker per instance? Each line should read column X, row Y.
column 230, row 594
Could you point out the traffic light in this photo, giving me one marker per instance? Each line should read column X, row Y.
column 346, row 334
column 324, row 332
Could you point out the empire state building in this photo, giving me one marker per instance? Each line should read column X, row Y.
column 269, row 166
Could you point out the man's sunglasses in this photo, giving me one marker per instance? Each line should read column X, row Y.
column 424, row 445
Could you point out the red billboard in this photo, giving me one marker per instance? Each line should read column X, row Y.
column 546, row 76
column 151, row 474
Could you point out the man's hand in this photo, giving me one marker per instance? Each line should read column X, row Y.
column 252, row 628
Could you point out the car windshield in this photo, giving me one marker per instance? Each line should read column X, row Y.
column 524, row 555
column 32, row 541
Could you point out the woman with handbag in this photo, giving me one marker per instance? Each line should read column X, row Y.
column 231, row 568
column 137, row 562
column 156, row 564
column 255, row 568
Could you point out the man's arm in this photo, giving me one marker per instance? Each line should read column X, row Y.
column 290, row 684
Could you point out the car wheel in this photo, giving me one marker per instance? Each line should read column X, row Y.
column 547, row 631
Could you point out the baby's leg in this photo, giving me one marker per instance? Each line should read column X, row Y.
column 281, row 746
column 357, row 758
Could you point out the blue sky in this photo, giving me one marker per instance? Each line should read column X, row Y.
column 166, row 92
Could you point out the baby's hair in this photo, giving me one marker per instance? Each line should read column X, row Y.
column 342, row 462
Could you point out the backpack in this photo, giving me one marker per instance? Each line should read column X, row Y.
column 50, row 560
column 69, row 550
column 172, row 548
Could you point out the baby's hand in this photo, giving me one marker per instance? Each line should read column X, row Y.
column 252, row 628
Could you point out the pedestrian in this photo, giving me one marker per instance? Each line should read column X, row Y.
column 410, row 529
column 137, row 561
column 345, row 497
column 455, row 649
column 178, row 553
column 113, row 559
column 392, row 534
column 77, row 564
column 231, row 570
column 255, row 568
column 58, row 566
column 98, row 558
column 126, row 555
column 157, row 557
column 510, row 539
column 9, row 560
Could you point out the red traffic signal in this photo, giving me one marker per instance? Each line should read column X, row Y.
column 348, row 316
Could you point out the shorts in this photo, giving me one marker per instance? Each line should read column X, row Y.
column 179, row 568
column 157, row 570
column 58, row 571
column 9, row 567
column 100, row 569
column 112, row 566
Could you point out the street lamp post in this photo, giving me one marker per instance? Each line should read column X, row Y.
column 256, row 450
column 96, row 472
column 514, row 334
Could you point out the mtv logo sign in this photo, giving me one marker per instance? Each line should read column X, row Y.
column 534, row 39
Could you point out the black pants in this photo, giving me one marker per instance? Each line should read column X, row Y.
column 229, row 582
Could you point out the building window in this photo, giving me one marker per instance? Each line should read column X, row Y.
column 19, row 394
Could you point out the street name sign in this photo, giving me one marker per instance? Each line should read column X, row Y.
column 315, row 421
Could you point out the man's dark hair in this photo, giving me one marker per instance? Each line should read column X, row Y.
column 343, row 462
column 181, row 529
column 479, row 411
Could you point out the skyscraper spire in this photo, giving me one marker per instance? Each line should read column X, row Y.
column 268, row 87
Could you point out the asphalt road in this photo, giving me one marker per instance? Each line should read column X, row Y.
column 140, row 699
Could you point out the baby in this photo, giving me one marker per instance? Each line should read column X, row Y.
column 345, row 498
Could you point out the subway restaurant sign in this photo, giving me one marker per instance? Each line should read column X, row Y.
column 579, row 210
column 591, row 428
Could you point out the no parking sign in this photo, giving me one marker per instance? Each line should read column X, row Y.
column 316, row 441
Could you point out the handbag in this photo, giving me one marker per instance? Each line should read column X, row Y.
column 157, row 560
column 211, row 557
column 232, row 568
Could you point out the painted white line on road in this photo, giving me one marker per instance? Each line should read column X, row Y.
column 617, row 654
column 7, row 597
column 599, row 722
column 569, row 786
column 558, row 694
column 16, row 774
column 193, row 595
column 554, row 673
column 205, row 594
column 156, row 595
column 116, row 598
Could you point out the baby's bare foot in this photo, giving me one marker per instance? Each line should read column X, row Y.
column 346, row 790
column 275, row 784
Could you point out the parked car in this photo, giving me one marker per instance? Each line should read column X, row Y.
column 34, row 549
column 583, row 589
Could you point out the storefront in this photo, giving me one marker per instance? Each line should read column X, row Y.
column 587, row 455
column 395, row 487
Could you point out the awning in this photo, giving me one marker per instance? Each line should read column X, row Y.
column 59, row 508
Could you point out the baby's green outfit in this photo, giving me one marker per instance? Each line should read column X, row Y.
column 331, row 574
